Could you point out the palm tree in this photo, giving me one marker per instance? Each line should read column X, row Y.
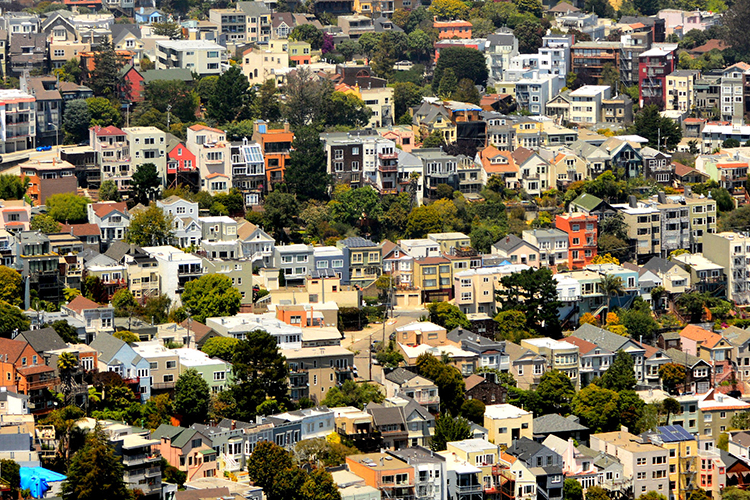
column 67, row 364
column 610, row 285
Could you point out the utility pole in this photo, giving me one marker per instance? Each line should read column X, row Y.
column 169, row 116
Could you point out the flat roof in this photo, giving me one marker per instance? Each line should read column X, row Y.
column 505, row 410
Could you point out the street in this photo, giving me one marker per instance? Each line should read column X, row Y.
column 360, row 341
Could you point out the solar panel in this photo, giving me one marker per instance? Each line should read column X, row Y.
column 674, row 433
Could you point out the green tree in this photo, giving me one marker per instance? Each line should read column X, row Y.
column 192, row 397
column 423, row 220
column 348, row 48
column 533, row 7
column 448, row 379
column 308, row 33
column 67, row 207
column 353, row 394
column 206, row 87
column 145, row 183
column 447, row 315
column 267, row 103
column 650, row 124
column 699, row 494
column 631, row 408
column 556, row 392
column 11, row 286
column 76, row 120
column 10, row 472
column 70, row 72
column 610, row 75
column 260, row 372
column 306, row 174
column 448, row 84
column 512, row 326
column 620, row 376
column 369, row 42
column 211, row 296
column 12, row 319
column 611, row 285
column 126, row 336
column 124, row 302
column 168, row 29
column 279, row 211
column 346, row 110
column 466, row 92
column 481, row 27
column 158, row 410
column 405, row 95
column 736, row 34
column 103, row 112
column 220, row 347
column 108, row 191
column 434, row 140
column 156, row 308
column 730, row 143
column 529, row 34
column 534, row 293
column 693, row 304
column 93, row 289
column 598, row 407
column 473, row 410
column 448, row 429
column 734, row 493
column 95, row 471
column 596, row 493
column 332, row 453
column 150, row 227
column 671, row 406
column 105, row 79
column 464, row 61
column 572, row 490
column 419, row 43
column 13, row 187
column 174, row 96
column 232, row 99
column 356, row 204
column 385, row 56
column 448, row 9
column 66, row 332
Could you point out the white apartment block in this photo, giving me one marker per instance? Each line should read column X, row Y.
column 732, row 252
column 17, row 121
column 147, row 145
column 199, row 56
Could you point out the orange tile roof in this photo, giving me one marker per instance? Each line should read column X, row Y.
column 197, row 128
column 698, row 334
column 450, row 24
column 490, row 152
column 80, row 303
column 104, row 209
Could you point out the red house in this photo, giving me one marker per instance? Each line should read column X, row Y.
column 653, row 67
column 582, row 237
column 182, row 168
column 132, row 90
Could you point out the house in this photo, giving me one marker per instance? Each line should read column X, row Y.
column 563, row 427
column 390, row 423
column 97, row 318
column 516, row 251
column 186, row 449
column 594, row 359
column 711, row 347
column 717, row 410
column 526, row 366
column 590, row 204
column 675, row 279
column 296, row 262
column 507, row 423
column 423, row 391
column 117, row 356
column 485, row 389
column 419, row 422
column 358, row 426
column 12, row 403
column 561, row 355
column 255, row 244
column 398, row 264
column 314, row 370
column 582, row 238
column 203, row 57
column 17, row 354
column 393, row 478
column 698, row 379
column 364, row 259
column 112, row 218
column 544, row 463
column 552, row 245
column 614, row 343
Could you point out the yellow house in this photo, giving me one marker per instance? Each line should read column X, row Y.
column 507, row 423
column 439, row 122
column 479, row 453
column 683, row 458
column 434, row 276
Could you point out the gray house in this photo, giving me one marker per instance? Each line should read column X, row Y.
column 544, row 463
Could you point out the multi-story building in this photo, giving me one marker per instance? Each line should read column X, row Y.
column 186, row 449
column 734, row 92
column 589, row 58
column 114, row 154
column 112, row 218
column 653, row 67
column 119, row 357
column 267, row 63
column 552, row 245
column 147, row 145
column 507, row 423
column 644, row 228
column 501, row 47
column 434, row 277
column 295, row 261
column 258, row 18
column 98, row 318
column 141, row 468
column 248, row 171
column 582, row 238
column 203, row 57
column 717, row 411
column 586, row 105
column 17, row 121
column 313, row 371
column 175, row 268
column 394, row 478
column 680, row 89
column 731, row 251
column 474, row 289
column 561, row 355
column 232, row 24
column 481, row 454
column 363, row 258
column 48, row 108
column 276, row 145
column 644, row 463
column 255, row 244
column 48, row 177
column 595, row 360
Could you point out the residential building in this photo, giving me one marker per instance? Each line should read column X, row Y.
column 731, row 251
column 186, row 449
column 507, row 423
column 364, row 259
column 114, row 154
column 258, row 18
column 464, row 361
column 119, row 357
column 516, row 251
column 526, row 366
column 313, row 371
column 544, row 463
column 561, row 355
column 394, row 478
column 680, row 89
column 203, row 57
column 112, row 218
column 216, row 372
column 140, row 463
column 232, row 24
column 594, row 359
column 717, row 410
column 653, row 67
column 48, row 177
column 481, row 454
column 48, row 108
column 423, row 391
column 590, row 57
column 98, row 318
column 175, row 268
column 644, row 226
column 147, row 145
column 434, row 277
column 711, row 347
column 296, row 261
column 164, row 364
column 552, row 245
column 586, row 103
column 582, row 238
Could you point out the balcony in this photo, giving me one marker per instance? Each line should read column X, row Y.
column 388, row 168
column 468, row 488
column 388, row 156
column 141, row 458
column 403, row 484
column 162, row 385
column 44, row 384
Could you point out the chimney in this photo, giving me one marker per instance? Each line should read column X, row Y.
column 632, row 201
column 662, row 197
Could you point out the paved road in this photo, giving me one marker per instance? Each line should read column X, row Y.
column 360, row 342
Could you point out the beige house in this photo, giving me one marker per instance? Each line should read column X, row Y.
column 680, row 89
column 474, row 290
column 420, row 389
column 561, row 355
column 61, row 52
column 450, row 242
column 422, row 332
column 164, row 364
column 644, row 226
column 526, row 366
column 516, row 251
column 313, row 371
column 506, row 423
column 261, row 64
column 380, row 101
column 465, row 361
column 732, row 252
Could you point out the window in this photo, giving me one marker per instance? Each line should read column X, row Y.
column 220, row 376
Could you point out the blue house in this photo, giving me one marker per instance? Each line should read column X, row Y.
column 148, row 15
column 329, row 262
column 123, row 360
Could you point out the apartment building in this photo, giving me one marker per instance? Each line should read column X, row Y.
column 164, row 364
column 680, row 89
column 175, row 268
column 213, row 155
column 364, row 259
column 296, row 262
column 507, row 423
column 586, row 105
column 147, row 145
column 474, row 289
column 734, row 92
column 481, row 454
column 313, row 371
column 561, row 355
column 717, row 410
column 112, row 218
column 262, row 64
column 589, row 58
column 203, row 57
column 582, row 238
column 644, row 227
column 232, row 24
column 248, row 171
column 258, row 18
column 394, row 478
column 114, row 154
column 552, row 245
column 645, row 463
column 17, row 121
column 275, row 145
column 434, row 277
column 48, row 177
column 653, row 67
column 732, row 252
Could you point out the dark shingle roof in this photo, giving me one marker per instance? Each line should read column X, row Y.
column 659, row 265
column 357, row 242
column 524, row 449
column 510, row 243
column 43, row 340
column 107, row 346
column 602, row 338
column 385, row 416
column 551, row 423
column 400, row 375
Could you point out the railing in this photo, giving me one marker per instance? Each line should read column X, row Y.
column 471, row 488
column 163, row 385
column 140, row 458
column 407, row 484
column 43, row 384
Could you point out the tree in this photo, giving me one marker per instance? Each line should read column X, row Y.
column 76, row 120
column 610, row 75
column 232, row 98
column 601, row 8
column 328, row 450
column 449, row 429
column 419, row 44
column 70, row 72
column 511, row 326
column 481, row 27
column 448, row 84
column 67, row 363
column 534, row 293
column 736, row 34
column 13, row 187
column 260, row 372
column 699, row 494
column 95, row 471
column 306, row 174
column 145, row 183
column 672, row 375
column 368, row 42
column 67, row 207
column 639, row 321
column 596, row 493
column 220, row 347
column 348, row 110
column 650, row 124
column 610, row 286
column 156, row 308
column 267, row 102
column 464, row 61
column 448, row 9
column 10, row 473
column 93, row 289
column 447, row 315
column 572, row 490
column 66, row 332
column 694, row 304
column 529, row 34
column 533, row 7
column 103, row 112
column 192, row 397
column 168, row 29
column 423, row 220
column 150, row 227
column 105, row 79
column 598, row 407
column 11, row 286
column 12, row 319
column 434, row 140
column 108, row 191
column 307, row 98
column 206, row 87
column 211, row 296
column 126, row 336
column 473, row 410
column 308, row 33
column 355, row 205
column 448, row 379
column 174, row 96
column 556, row 392
column 620, row 376
column 348, row 48
column 734, row 493
column 405, row 95
column 466, row 92
column 730, row 143
column 385, row 56
column 353, row 394
column 671, row 407
column 279, row 211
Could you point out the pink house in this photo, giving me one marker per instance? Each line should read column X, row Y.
column 187, row 449
column 402, row 135
column 15, row 215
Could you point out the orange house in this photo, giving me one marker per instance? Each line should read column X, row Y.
column 276, row 145
column 392, row 476
column 15, row 354
column 582, row 237
column 453, row 29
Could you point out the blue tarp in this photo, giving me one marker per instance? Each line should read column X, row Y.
column 37, row 479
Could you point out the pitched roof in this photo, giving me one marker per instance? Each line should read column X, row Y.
column 588, row 201
column 510, row 243
column 659, row 265
column 704, row 337
column 400, row 375
column 103, row 209
column 552, row 422
column 107, row 346
column 44, row 339
column 682, row 358
column 602, row 338
column 79, row 230
column 473, row 380
column 520, row 155
column 108, row 131
column 564, row 7
column 584, row 346
column 10, row 350
column 385, row 416
column 524, row 449
column 80, row 303
column 171, row 74
column 199, row 330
